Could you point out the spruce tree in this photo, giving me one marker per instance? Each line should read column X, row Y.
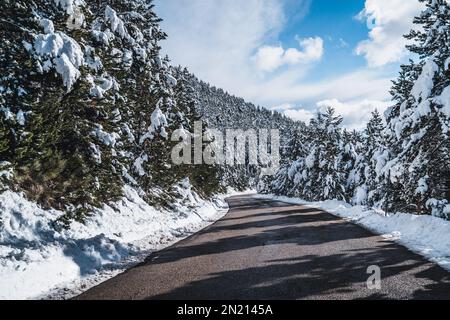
column 374, row 142
column 363, row 187
column 418, row 126
column 328, row 180
column 204, row 177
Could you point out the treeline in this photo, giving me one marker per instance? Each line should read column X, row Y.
column 400, row 164
column 221, row 110
column 88, row 105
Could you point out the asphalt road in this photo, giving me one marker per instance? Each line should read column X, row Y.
column 265, row 249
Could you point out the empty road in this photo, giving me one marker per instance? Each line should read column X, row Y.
column 264, row 249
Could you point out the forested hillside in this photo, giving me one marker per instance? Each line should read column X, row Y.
column 88, row 106
column 223, row 111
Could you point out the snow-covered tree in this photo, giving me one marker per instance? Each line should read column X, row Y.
column 325, row 175
column 84, row 87
column 223, row 111
column 416, row 166
column 87, row 105
column 315, row 171
column 205, row 178
column 286, row 180
column 49, row 109
column 362, row 185
column 349, row 162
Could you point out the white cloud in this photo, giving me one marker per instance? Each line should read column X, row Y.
column 285, row 88
column 269, row 58
column 300, row 114
column 283, row 107
column 218, row 39
column 389, row 21
column 356, row 114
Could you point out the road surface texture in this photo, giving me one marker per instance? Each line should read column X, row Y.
column 265, row 249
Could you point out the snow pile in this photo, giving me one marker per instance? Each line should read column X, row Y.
column 36, row 259
column 102, row 37
column 116, row 24
column 69, row 6
column 56, row 50
column 426, row 235
column 5, row 170
column 171, row 81
column 47, row 25
column 108, row 139
column 444, row 101
column 158, row 125
column 424, row 84
column 105, row 84
column 138, row 165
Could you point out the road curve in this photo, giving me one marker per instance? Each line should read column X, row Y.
column 264, row 249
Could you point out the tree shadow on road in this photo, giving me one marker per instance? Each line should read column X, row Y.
column 294, row 227
column 339, row 276
column 322, row 276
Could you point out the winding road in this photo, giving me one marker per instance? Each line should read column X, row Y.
column 265, row 249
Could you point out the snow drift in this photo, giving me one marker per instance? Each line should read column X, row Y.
column 36, row 258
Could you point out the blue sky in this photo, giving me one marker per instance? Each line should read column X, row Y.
column 339, row 28
column 295, row 56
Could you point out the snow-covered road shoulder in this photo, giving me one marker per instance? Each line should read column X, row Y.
column 425, row 235
column 37, row 261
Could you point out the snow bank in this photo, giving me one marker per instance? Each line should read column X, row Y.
column 37, row 261
column 426, row 235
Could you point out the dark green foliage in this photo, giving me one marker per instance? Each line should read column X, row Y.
column 418, row 136
column 51, row 151
column 204, row 178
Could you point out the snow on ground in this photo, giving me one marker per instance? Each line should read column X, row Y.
column 36, row 261
column 425, row 235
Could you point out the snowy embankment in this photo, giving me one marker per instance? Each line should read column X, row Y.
column 425, row 235
column 36, row 261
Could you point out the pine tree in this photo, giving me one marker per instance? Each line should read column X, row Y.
column 328, row 180
column 78, row 109
column 349, row 162
column 287, row 180
column 418, row 126
column 365, row 188
column 35, row 97
column 314, row 173
column 374, row 142
column 204, row 177
column 88, row 105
